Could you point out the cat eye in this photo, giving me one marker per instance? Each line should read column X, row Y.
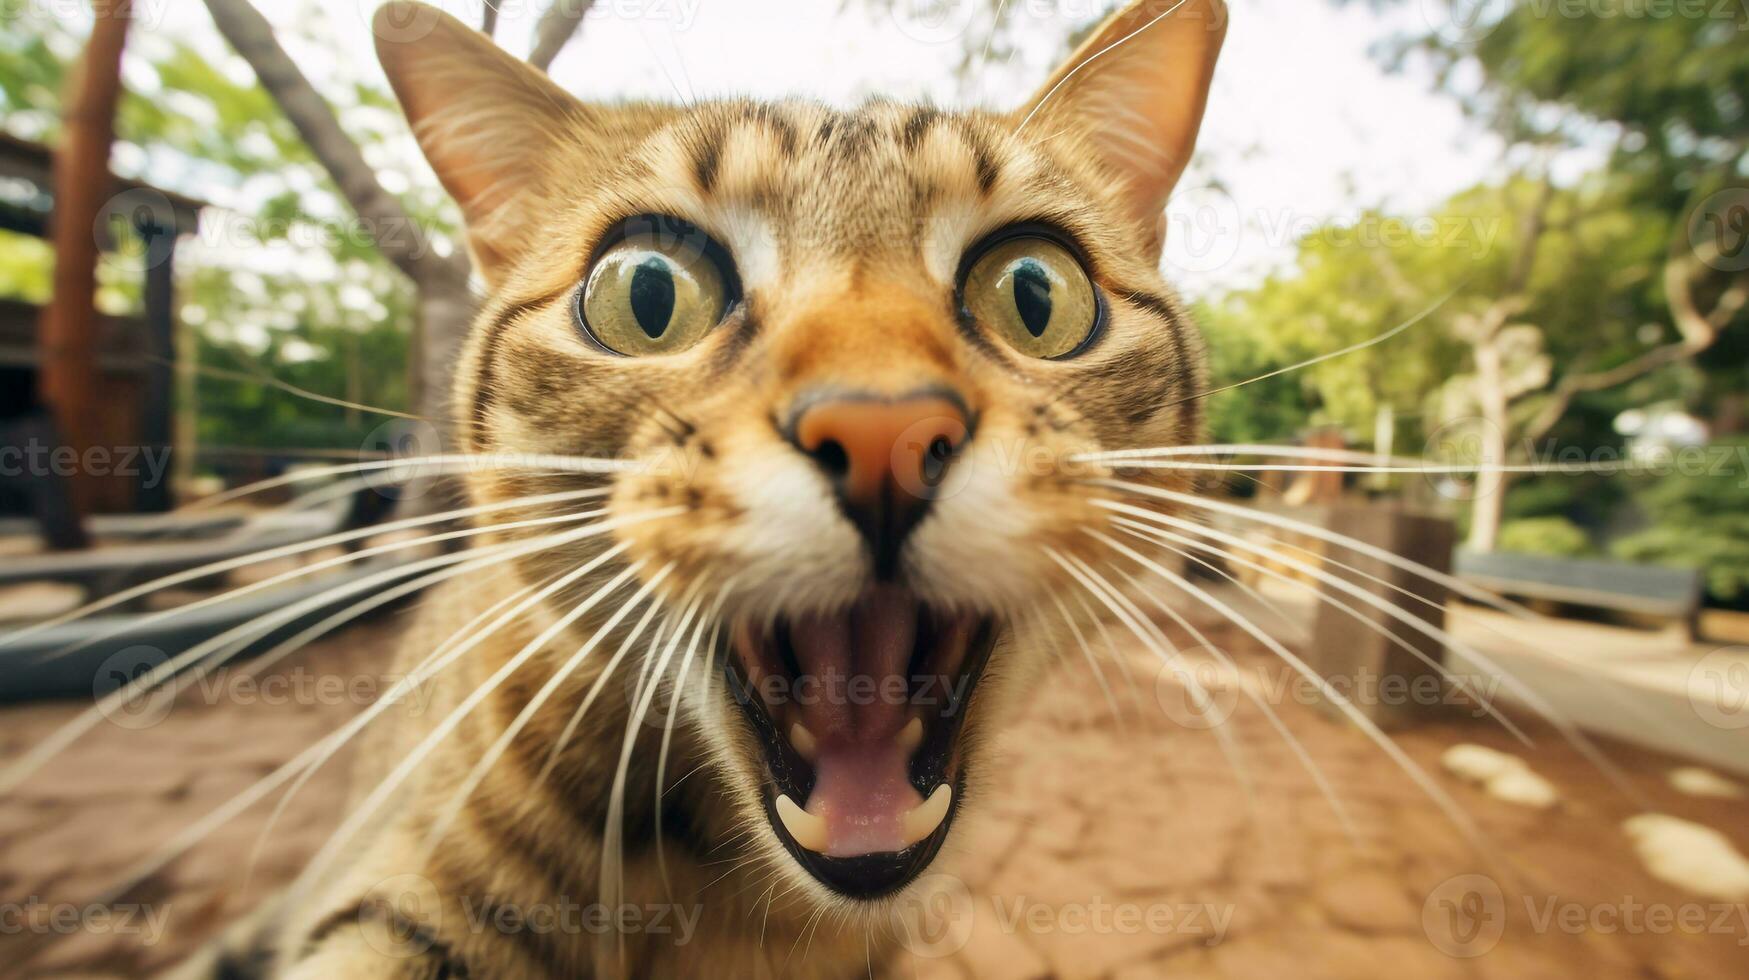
column 657, row 290
column 1034, row 293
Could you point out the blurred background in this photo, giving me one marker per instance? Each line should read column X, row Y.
column 1464, row 232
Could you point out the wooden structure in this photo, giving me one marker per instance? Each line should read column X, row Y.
column 134, row 356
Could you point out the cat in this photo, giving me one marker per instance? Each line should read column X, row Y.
column 848, row 359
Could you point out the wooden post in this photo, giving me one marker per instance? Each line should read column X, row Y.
column 68, row 339
column 157, row 425
column 1387, row 683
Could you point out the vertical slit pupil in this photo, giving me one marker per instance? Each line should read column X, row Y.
column 1032, row 295
column 652, row 295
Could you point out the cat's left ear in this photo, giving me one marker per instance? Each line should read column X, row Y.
column 1137, row 89
column 486, row 121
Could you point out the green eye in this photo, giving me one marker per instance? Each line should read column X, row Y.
column 654, row 293
column 1033, row 293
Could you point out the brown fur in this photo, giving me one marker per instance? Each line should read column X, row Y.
column 848, row 229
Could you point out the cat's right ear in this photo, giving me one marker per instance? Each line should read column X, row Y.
column 1136, row 89
column 485, row 120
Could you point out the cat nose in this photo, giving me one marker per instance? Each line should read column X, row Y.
column 886, row 458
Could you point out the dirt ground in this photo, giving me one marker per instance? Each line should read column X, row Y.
column 1107, row 845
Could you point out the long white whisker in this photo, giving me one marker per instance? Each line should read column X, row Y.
column 1419, row 776
column 1537, row 702
column 490, row 757
column 432, row 465
column 612, row 882
column 305, row 571
column 285, row 551
column 59, row 739
column 1298, row 748
column 600, row 684
column 673, row 714
column 368, row 808
column 1374, row 552
column 305, row 763
column 1161, row 647
column 1087, row 653
column 1095, row 56
column 469, row 636
column 1344, row 352
column 1161, row 536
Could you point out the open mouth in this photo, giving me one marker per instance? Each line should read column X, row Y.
column 859, row 714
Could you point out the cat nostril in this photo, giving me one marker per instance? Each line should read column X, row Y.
column 832, row 457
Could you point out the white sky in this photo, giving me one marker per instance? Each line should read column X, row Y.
column 1303, row 125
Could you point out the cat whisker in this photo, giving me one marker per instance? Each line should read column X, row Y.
column 1095, row 56
column 1160, row 536
column 613, row 843
column 429, row 465
column 192, row 659
column 1292, row 741
column 248, row 631
column 1081, row 642
column 287, row 551
column 477, row 775
column 1453, row 812
column 1569, row 731
column 356, row 820
column 673, row 714
column 1332, row 355
column 600, row 684
column 1452, row 582
column 1161, row 647
column 420, row 672
column 304, row 763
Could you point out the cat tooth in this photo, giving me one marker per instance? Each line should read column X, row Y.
column 808, row 830
column 802, row 741
column 911, row 735
column 928, row 815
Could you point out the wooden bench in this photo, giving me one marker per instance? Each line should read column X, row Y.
column 1642, row 590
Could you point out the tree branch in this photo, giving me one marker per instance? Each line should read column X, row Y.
column 388, row 224
column 556, row 28
column 1699, row 331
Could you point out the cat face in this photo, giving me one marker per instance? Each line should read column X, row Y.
column 853, row 357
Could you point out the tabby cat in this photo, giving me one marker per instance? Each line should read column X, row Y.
column 845, row 358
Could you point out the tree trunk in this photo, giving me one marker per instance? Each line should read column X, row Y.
column 1490, row 501
column 68, row 337
column 391, row 228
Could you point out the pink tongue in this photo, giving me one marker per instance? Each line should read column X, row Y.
column 858, row 659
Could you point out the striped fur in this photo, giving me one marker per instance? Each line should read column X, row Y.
column 847, row 229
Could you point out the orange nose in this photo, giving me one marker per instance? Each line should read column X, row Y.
column 886, row 458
